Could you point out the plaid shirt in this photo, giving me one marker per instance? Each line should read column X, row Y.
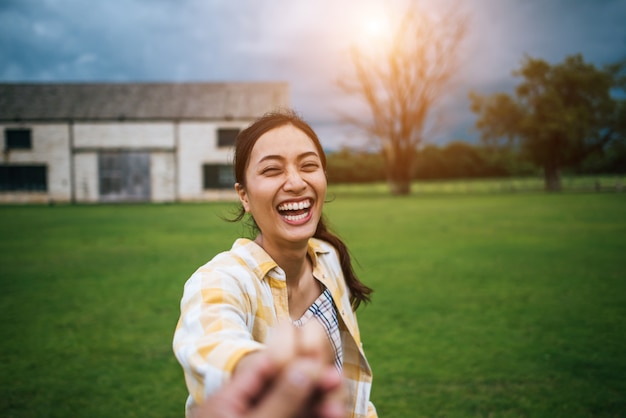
column 323, row 310
column 231, row 304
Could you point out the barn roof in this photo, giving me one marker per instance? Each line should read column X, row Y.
column 139, row 101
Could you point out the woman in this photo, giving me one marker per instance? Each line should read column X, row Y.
column 293, row 270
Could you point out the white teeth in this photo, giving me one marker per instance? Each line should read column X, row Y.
column 295, row 206
column 295, row 217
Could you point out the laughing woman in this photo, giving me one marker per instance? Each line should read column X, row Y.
column 293, row 270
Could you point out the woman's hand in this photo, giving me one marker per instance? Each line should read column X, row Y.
column 293, row 378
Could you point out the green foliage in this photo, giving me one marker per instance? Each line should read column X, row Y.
column 454, row 160
column 458, row 160
column 505, row 305
column 347, row 166
column 559, row 114
column 611, row 160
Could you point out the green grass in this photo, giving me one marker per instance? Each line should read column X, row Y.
column 486, row 305
column 493, row 185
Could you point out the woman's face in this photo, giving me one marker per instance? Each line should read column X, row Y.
column 285, row 186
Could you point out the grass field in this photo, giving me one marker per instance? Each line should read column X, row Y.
column 531, row 184
column 488, row 305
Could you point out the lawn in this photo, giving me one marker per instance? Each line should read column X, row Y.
column 486, row 305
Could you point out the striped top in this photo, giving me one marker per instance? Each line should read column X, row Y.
column 231, row 305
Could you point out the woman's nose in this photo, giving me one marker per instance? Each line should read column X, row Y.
column 294, row 181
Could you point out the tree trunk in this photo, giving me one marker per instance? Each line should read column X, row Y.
column 399, row 187
column 552, row 177
column 399, row 170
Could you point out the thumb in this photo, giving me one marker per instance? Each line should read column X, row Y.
column 289, row 395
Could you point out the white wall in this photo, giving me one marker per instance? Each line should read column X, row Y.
column 50, row 146
column 86, row 177
column 128, row 135
column 177, row 154
column 197, row 145
column 163, row 177
column 158, row 138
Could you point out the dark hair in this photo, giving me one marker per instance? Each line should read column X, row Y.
column 246, row 139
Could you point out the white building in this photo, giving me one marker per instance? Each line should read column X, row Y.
column 159, row 142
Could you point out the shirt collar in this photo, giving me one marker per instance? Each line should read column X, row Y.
column 262, row 264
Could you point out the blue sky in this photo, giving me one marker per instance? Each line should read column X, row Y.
column 304, row 42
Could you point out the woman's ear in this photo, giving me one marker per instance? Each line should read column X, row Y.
column 243, row 196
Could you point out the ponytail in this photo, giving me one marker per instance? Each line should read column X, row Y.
column 359, row 292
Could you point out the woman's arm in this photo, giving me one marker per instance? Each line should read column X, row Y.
column 213, row 332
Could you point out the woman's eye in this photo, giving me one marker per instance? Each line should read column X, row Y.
column 311, row 166
column 270, row 170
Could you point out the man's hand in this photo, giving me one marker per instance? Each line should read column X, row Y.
column 293, row 378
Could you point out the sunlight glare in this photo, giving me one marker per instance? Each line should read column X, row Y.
column 375, row 27
column 373, row 31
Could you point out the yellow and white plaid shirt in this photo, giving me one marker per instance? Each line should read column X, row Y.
column 231, row 304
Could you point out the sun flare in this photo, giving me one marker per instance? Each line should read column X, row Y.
column 372, row 31
column 375, row 27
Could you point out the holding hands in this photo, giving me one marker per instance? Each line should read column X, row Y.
column 293, row 378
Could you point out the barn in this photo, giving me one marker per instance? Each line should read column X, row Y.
column 125, row 142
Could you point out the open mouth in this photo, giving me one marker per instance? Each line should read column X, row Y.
column 295, row 211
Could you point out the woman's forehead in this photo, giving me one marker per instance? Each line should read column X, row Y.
column 283, row 142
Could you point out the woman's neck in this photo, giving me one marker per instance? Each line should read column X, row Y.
column 302, row 288
column 292, row 258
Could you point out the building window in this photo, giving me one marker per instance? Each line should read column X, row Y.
column 218, row 176
column 23, row 178
column 17, row 139
column 226, row 137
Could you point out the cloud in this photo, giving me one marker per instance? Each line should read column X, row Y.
column 302, row 42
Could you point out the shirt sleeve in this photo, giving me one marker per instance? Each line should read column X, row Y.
column 213, row 332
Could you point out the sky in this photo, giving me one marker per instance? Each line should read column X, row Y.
column 303, row 42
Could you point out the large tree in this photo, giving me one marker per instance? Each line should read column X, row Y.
column 558, row 115
column 403, row 82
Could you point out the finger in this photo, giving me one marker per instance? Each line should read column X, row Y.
column 282, row 343
column 333, row 409
column 249, row 382
column 330, row 379
column 311, row 341
column 291, row 391
column 334, row 394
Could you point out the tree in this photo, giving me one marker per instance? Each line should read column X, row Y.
column 403, row 83
column 559, row 115
column 347, row 166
